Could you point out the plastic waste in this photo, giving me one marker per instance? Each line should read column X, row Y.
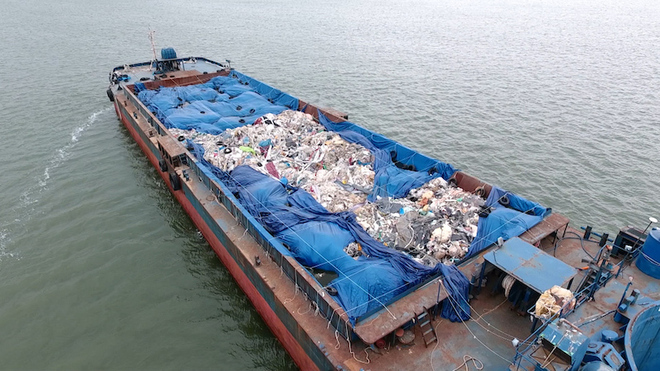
column 434, row 223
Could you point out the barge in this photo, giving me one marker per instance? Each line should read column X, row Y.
column 514, row 288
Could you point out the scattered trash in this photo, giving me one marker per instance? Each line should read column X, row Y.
column 434, row 223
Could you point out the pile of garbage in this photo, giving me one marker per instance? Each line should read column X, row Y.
column 434, row 223
column 297, row 150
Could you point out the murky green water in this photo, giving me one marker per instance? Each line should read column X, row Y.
column 101, row 269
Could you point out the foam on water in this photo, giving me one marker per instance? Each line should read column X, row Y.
column 26, row 209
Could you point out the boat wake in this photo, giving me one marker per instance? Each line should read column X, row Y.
column 26, row 209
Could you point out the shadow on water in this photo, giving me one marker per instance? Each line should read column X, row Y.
column 235, row 313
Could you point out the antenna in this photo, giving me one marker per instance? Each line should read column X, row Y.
column 651, row 221
column 153, row 43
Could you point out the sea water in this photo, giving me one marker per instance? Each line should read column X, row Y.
column 101, row 269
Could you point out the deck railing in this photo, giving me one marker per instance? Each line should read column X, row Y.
column 273, row 248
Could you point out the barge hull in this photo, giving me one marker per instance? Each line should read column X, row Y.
column 239, row 272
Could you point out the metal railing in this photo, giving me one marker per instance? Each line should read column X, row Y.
column 273, row 249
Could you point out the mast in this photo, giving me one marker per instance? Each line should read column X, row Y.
column 153, row 45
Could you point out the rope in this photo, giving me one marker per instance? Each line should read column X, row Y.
column 490, row 310
column 470, row 331
column 309, row 309
column 295, row 290
column 467, row 358
column 547, row 360
column 350, row 349
column 651, row 260
column 588, row 320
column 436, row 343
column 327, row 327
column 507, row 283
column 490, row 327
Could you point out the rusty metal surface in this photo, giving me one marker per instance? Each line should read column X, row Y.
column 492, row 318
column 493, row 325
column 185, row 79
column 332, row 114
column 397, row 314
column 570, row 252
column 472, row 184
column 335, row 112
column 553, row 224
column 171, row 146
column 181, row 78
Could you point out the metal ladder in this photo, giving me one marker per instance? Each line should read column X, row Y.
column 596, row 277
column 424, row 323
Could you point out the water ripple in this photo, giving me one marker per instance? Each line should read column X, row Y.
column 24, row 211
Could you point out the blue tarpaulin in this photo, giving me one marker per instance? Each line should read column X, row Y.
column 398, row 168
column 505, row 222
column 314, row 236
column 317, row 237
column 220, row 104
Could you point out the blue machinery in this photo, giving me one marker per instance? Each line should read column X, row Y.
column 559, row 345
column 641, row 340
